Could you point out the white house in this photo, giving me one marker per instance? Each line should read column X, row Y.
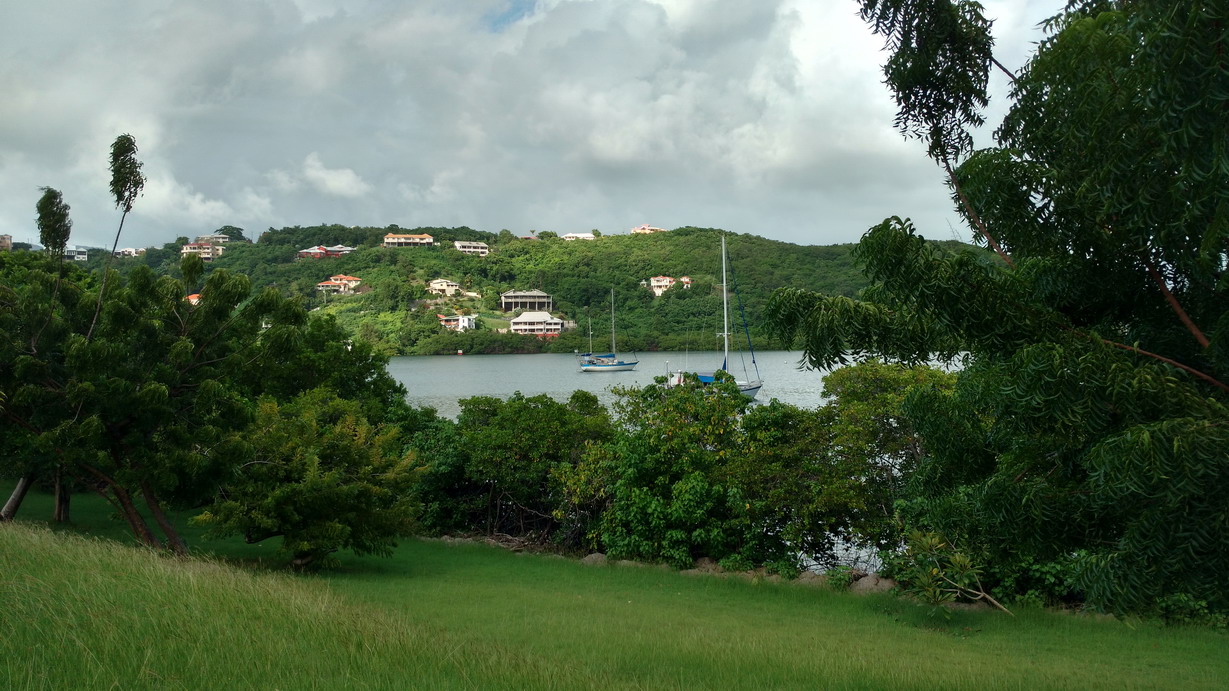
column 479, row 248
column 130, row 252
column 536, row 324
column 525, row 300
column 578, row 236
column 206, row 251
column 458, row 322
column 213, row 239
column 443, row 286
column 340, row 283
column 408, row 240
column 77, row 254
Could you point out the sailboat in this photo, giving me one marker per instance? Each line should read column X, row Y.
column 609, row 362
column 747, row 385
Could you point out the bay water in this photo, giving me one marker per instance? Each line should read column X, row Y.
column 440, row 381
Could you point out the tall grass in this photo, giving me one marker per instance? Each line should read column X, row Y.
column 82, row 613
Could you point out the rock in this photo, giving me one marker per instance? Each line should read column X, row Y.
column 872, row 583
column 810, row 578
column 595, row 559
column 708, row 565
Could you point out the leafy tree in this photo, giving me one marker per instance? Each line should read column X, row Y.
column 1090, row 415
column 126, row 185
column 54, row 224
column 321, row 477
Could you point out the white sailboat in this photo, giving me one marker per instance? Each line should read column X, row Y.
column 608, row 362
column 749, row 386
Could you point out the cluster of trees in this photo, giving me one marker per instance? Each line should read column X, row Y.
column 1088, row 431
column 241, row 406
column 676, row 474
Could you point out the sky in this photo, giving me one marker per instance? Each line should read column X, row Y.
column 765, row 117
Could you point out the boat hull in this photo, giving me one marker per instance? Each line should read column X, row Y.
column 619, row 366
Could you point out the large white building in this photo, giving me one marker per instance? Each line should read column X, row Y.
column 525, row 300
column 479, row 248
column 206, row 251
column 536, row 324
column 408, row 240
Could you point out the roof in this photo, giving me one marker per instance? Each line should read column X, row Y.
column 343, row 277
column 525, row 293
column 407, row 235
column 536, row 317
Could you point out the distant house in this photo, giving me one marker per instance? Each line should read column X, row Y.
column 130, row 252
column 479, row 248
column 6, row 243
column 525, row 300
column 539, row 324
column 340, row 283
column 77, row 254
column 578, row 236
column 443, row 286
column 193, row 299
column 206, row 251
column 408, row 240
column 458, row 322
column 322, row 252
column 213, row 239
column 646, row 229
column 660, row 284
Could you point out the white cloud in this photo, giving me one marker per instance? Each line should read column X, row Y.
column 339, row 182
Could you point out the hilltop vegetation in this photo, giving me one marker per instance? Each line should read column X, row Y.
column 395, row 312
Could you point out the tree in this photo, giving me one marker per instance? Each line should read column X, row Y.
column 1089, row 422
column 321, row 477
column 54, row 224
column 126, row 185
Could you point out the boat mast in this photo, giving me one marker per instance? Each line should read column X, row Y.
column 613, row 350
column 725, row 310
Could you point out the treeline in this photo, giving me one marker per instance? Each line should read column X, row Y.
column 395, row 313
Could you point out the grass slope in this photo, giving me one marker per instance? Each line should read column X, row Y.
column 92, row 613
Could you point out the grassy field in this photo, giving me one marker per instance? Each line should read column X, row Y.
column 83, row 613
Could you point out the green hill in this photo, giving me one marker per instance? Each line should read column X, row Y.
column 394, row 310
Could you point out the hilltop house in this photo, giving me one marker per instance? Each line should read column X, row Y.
column 458, row 322
column 525, row 300
column 77, row 254
column 647, row 229
column 6, row 243
column 207, row 252
column 340, row 283
column 130, row 252
column 660, row 284
column 322, row 252
column 213, row 239
column 539, row 324
column 408, row 240
column 578, row 236
column 479, row 248
column 443, row 286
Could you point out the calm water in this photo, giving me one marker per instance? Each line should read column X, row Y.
column 440, row 381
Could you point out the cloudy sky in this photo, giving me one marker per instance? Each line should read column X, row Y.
column 765, row 116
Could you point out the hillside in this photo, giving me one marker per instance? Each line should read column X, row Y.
column 394, row 309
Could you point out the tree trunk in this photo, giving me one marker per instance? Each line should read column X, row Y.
column 173, row 540
column 63, row 498
column 140, row 528
column 15, row 499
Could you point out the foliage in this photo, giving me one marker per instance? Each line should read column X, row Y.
column 495, row 472
column 936, row 573
column 54, row 224
column 321, row 477
column 1090, row 414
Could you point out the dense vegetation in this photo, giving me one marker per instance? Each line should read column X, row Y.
column 1085, row 447
column 397, row 315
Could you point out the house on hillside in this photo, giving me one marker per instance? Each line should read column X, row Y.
column 77, row 254
column 408, row 240
column 525, row 300
column 6, row 243
column 130, row 251
column 213, row 239
column 339, row 284
column 479, row 248
column 443, row 286
column 647, row 229
column 322, row 252
column 660, row 284
column 206, row 251
column 193, row 299
column 578, row 236
column 458, row 322
column 540, row 324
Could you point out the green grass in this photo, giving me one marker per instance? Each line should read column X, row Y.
column 441, row 615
